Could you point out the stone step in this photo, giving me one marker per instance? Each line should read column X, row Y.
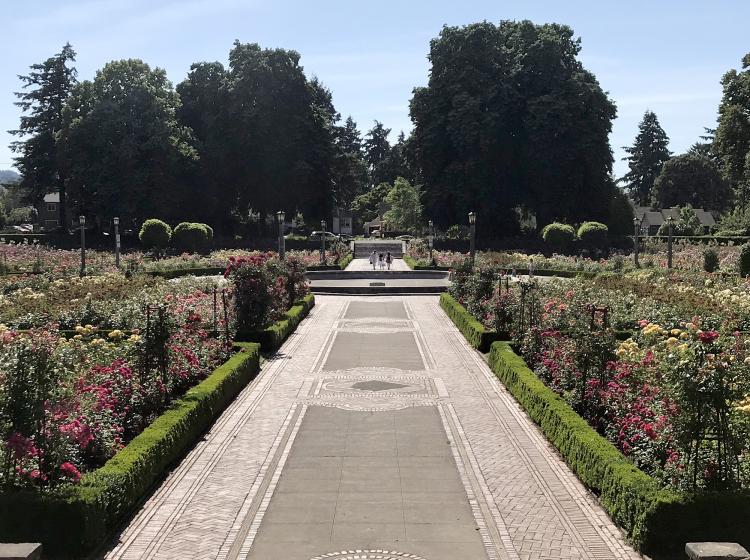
column 377, row 275
column 362, row 249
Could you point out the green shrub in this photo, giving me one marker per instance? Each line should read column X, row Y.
column 272, row 337
column 155, row 235
column 189, row 237
column 745, row 260
column 658, row 521
column 77, row 519
column 475, row 333
column 558, row 236
column 710, row 260
column 593, row 235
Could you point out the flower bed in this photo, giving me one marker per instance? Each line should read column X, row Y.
column 74, row 519
column 657, row 365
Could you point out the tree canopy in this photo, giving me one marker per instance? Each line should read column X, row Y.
column 46, row 90
column 404, row 207
column 122, row 148
column 646, row 158
column 691, row 179
column 510, row 117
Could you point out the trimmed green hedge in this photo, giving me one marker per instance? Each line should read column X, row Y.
column 271, row 338
column 342, row 264
column 658, row 521
column 74, row 521
column 479, row 337
column 179, row 272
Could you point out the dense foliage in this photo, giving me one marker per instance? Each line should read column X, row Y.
column 673, row 396
column 499, row 97
column 645, row 159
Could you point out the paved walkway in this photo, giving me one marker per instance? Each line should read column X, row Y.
column 364, row 264
column 375, row 433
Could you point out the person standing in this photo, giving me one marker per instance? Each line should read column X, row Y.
column 381, row 262
column 531, row 268
column 372, row 259
column 388, row 260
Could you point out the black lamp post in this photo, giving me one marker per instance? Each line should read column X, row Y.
column 473, row 226
column 282, row 248
column 82, row 223
column 636, row 231
column 322, row 242
column 430, row 238
column 116, row 223
column 670, row 223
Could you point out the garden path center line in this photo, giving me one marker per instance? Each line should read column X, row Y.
column 374, row 432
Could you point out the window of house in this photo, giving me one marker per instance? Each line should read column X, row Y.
column 51, row 207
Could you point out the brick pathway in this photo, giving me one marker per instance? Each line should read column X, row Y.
column 376, row 432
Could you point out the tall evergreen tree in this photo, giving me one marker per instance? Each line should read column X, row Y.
column 50, row 83
column 732, row 141
column 376, row 145
column 349, row 166
column 646, row 158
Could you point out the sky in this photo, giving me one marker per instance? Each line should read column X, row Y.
column 664, row 55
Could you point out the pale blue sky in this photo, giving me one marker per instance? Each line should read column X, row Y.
column 666, row 55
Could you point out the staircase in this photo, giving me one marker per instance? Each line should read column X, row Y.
column 362, row 249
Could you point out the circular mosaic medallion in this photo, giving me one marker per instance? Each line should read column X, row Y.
column 367, row 555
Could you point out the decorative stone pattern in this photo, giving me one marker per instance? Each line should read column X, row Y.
column 367, row 555
column 524, row 500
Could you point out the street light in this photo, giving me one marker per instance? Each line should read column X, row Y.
column 429, row 239
column 473, row 226
column 280, row 215
column 670, row 222
column 637, row 227
column 322, row 242
column 82, row 222
column 116, row 223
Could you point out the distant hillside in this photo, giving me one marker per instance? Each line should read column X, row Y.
column 8, row 176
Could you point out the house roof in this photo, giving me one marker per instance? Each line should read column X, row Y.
column 52, row 197
column 649, row 217
column 375, row 222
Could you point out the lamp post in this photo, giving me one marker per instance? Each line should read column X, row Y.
column 636, row 231
column 322, row 242
column 670, row 222
column 429, row 238
column 473, row 226
column 82, row 223
column 282, row 249
column 116, row 223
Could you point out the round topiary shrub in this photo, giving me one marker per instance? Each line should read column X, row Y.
column 710, row 260
column 189, row 237
column 558, row 236
column 593, row 235
column 745, row 260
column 155, row 235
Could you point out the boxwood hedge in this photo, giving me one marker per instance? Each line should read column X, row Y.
column 479, row 337
column 71, row 522
column 658, row 521
column 272, row 337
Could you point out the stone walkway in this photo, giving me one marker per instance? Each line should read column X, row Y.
column 375, row 433
column 364, row 264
